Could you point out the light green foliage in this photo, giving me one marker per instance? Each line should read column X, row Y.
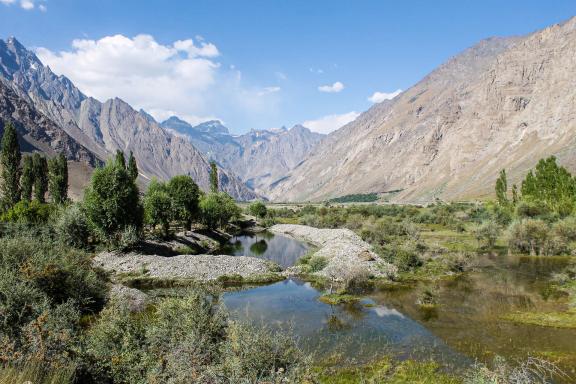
column 213, row 177
column 9, row 168
column 40, row 177
column 27, row 180
column 112, row 203
column 28, row 212
column 258, row 209
column 120, row 159
column 317, row 263
column 218, row 209
column 486, row 234
column 552, row 185
column 71, row 226
column 502, row 188
column 529, row 236
column 132, row 166
column 157, row 206
column 184, row 198
column 58, row 179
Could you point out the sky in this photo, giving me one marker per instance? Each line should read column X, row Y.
column 260, row 64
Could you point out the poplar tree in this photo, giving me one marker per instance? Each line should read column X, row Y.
column 502, row 188
column 132, row 166
column 213, row 177
column 40, row 177
column 27, row 180
column 10, row 157
column 120, row 159
column 58, row 179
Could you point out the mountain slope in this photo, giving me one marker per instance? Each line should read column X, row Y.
column 259, row 158
column 503, row 103
column 106, row 127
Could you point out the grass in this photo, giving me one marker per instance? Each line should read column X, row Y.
column 336, row 298
column 34, row 373
column 386, row 370
column 544, row 319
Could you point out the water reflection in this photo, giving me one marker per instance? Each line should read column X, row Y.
column 281, row 249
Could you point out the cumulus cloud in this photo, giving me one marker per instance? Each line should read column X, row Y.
column 330, row 123
column 334, row 88
column 182, row 78
column 378, row 97
column 26, row 4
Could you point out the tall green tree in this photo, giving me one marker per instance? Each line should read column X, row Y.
column 502, row 188
column 157, row 206
column 132, row 166
column 120, row 159
column 10, row 157
column 112, row 203
column 58, row 179
column 184, row 196
column 40, row 177
column 213, row 177
column 218, row 209
column 27, row 179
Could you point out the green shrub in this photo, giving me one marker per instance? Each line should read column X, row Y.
column 529, row 236
column 184, row 199
column 71, row 226
column 28, row 212
column 487, row 233
column 257, row 209
column 317, row 263
column 218, row 209
column 157, row 206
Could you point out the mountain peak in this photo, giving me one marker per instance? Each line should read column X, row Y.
column 212, row 126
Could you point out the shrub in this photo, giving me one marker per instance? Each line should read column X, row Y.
column 218, row 209
column 529, row 236
column 28, row 212
column 184, row 199
column 357, row 281
column 157, row 205
column 317, row 263
column 71, row 226
column 487, row 233
column 531, row 209
column 257, row 209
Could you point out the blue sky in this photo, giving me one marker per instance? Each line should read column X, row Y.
column 260, row 64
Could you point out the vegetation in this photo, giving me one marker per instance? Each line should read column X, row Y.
column 258, row 209
column 356, row 198
column 58, row 179
column 9, row 167
column 218, row 209
column 40, row 177
column 213, row 177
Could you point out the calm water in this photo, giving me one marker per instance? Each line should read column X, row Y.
column 281, row 249
column 464, row 328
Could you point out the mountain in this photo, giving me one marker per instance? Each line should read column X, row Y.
column 259, row 158
column 103, row 128
column 503, row 103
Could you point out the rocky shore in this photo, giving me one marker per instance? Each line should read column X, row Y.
column 344, row 251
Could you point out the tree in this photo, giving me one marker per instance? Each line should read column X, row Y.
column 184, row 196
column 217, row 209
column 257, row 209
column 132, row 166
column 10, row 167
column 40, row 177
column 213, row 177
column 157, row 204
column 58, row 179
column 120, row 159
column 515, row 197
column 551, row 185
column 112, row 202
column 502, row 188
column 27, row 179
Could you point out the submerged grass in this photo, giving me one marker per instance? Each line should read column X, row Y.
column 544, row 319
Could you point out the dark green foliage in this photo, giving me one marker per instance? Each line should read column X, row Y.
column 218, row 209
column 40, row 177
column 132, row 166
column 120, row 159
column 28, row 212
column 27, row 180
column 213, row 177
column 502, row 188
column 9, row 167
column 58, row 179
column 112, row 203
column 157, row 205
column 71, row 226
column 552, row 185
column 258, row 209
column 184, row 199
column 356, row 198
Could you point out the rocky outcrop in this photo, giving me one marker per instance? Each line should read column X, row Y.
column 344, row 251
column 504, row 103
column 259, row 157
column 194, row 267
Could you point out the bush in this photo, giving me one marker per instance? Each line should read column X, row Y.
column 71, row 226
column 28, row 212
column 218, row 209
column 529, row 236
column 184, row 199
column 257, row 209
column 317, row 263
column 157, row 205
column 487, row 233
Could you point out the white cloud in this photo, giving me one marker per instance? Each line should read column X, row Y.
column 27, row 5
column 378, row 97
column 42, row 8
column 318, row 71
column 334, row 88
column 330, row 123
column 7, row 2
column 181, row 78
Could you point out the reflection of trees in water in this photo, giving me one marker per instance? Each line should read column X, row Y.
column 259, row 247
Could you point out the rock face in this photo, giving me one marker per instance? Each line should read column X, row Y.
column 504, row 103
column 344, row 250
column 103, row 128
column 259, row 158
column 196, row 267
